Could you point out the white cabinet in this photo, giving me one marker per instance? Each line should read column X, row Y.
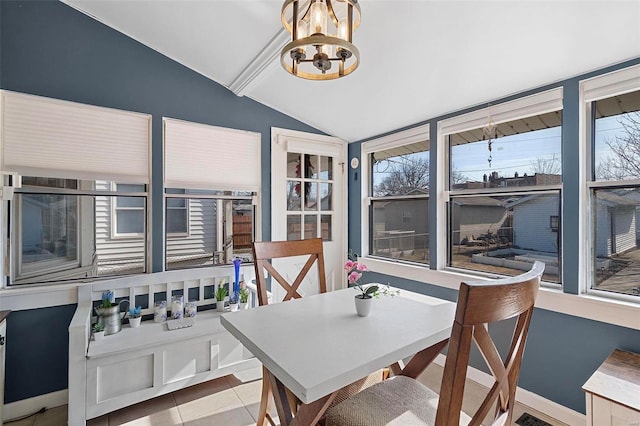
column 613, row 391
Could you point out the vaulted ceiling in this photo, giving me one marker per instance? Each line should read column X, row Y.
column 419, row 59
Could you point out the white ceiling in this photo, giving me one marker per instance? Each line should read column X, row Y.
column 419, row 59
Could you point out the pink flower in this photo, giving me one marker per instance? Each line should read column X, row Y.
column 354, row 277
column 349, row 265
column 361, row 267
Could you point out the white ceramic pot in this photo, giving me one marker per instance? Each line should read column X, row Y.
column 98, row 335
column 135, row 322
column 244, row 305
column 220, row 305
column 233, row 306
column 363, row 306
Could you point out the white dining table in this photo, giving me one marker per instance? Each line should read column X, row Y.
column 316, row 345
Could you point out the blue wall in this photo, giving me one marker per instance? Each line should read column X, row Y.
column 50, row 49
column 562, row 350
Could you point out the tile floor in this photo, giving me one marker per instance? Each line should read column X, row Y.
column 227, row 401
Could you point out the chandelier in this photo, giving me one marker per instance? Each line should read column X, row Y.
column 321, row 31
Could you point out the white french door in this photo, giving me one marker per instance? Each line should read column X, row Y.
column 308, row 200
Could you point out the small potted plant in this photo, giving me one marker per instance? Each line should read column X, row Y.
column 98, row 331
column 221, row 294
column 244, row 298
column 366, row 293
column 135, row 316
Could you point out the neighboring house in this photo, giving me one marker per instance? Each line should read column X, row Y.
column 477, row 216
column 616, row 224
column 536, row 224
column 401, row 224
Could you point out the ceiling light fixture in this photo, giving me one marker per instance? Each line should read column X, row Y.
column 320, row 36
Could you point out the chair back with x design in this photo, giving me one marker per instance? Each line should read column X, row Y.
column 265, row 251
column 481, row 303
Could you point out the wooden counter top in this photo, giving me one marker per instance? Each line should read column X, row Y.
column 617, row 379
column 4, row 315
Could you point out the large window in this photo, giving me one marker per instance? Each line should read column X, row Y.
column 504, row 185
column 62, row 230
column 398, row 198
column 220, row 227
column 615, row 193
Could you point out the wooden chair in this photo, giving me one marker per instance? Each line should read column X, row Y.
column 402, row 400
column 263, row 252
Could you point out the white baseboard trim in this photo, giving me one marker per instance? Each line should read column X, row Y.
column 24, row 407
column 530, row 399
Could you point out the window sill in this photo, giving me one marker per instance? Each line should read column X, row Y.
column 611, row 311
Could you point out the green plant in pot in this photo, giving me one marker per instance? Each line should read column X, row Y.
column 98, row 331
column 221, row 294
column 135, row 316
column 244, row 298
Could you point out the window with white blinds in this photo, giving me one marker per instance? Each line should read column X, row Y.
column 53, row 138
column 209, row 157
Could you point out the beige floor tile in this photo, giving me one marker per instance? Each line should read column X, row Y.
column 52, row 417
column 219, row 402
column 200, row 390
column 238, row 416
column 160, row 411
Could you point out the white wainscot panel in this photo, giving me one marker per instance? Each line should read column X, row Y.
column 231, row 351
column 126, row 376
column 186, row 360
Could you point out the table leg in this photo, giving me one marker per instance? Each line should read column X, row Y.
column 422, row 359
column 306, row 414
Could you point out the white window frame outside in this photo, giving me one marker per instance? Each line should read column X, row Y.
column 593, row 89
column 115, row 209
column 187, row 214
column 406, row 137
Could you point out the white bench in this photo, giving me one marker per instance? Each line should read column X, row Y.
column 137, row 364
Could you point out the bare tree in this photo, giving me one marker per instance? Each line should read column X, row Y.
column 404, row 176
column 547, row 166
column 624, row 160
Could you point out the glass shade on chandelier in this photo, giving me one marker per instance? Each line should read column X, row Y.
column 321, row 46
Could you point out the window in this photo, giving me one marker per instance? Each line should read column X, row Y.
column 129, row 212
column 177, row 213
column 504, row 186
column 220, row 227
column 62, row 230
column 615, row 192
column 309, row 195
column 398, row 196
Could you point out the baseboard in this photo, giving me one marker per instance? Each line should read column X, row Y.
column 530, row 399
column 24, row 407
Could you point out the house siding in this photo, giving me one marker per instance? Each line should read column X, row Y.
column 532, row 224
column 625, row 228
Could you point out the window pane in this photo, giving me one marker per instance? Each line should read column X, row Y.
column 617, row 137
column 401, row 171
column 294, row 232
column 50, row 182
column 311, row 196
column 124, row 187
column 243, row 221
column 326, row 168
column 505, row 234
column 123, row 202
column 400, row 229
column 293, row 195
column 176, row 221
column 326, row 194
column 311, row 226
column 49, row 227
column 310, row 166
column 326, row 230
column 130, row 222
column 513, row 156
column 617, row 258
column 177, row 203
column 293, row 165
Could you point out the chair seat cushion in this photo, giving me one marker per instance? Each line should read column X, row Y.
column 397, row 401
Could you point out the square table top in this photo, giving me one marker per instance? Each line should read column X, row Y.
column 317, row 344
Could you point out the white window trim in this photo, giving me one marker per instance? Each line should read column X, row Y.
column 113, row 200
column 188, row 217
column 406, row 137
column 600, row 87
column 527, row 106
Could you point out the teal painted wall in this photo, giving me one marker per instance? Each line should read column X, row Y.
column 562, row 351
column 50, row 49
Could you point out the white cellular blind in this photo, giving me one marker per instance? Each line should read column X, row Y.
column 53, row 138
column 199, row 156
column 611, row 84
